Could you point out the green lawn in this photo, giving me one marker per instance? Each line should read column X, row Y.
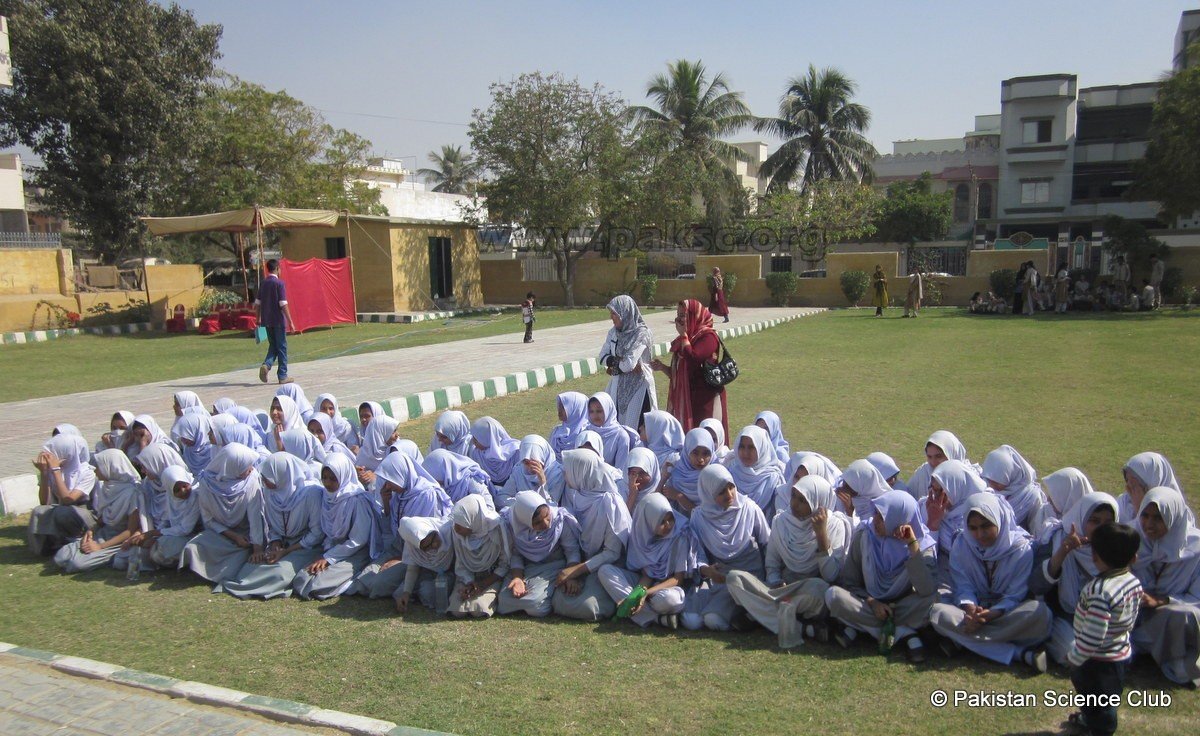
column 1077, row 391
column 89, row 362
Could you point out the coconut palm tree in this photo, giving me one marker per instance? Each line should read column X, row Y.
column 822, row 131
column 455, row 171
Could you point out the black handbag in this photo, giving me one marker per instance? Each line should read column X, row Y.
column 723, row 372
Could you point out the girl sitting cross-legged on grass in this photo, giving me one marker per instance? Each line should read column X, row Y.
column 888, row 582
column 987, row 609
column 350, row 520
column 171, row 511
column 545, row 539
column 945, row 508
column 482, row 549
column 732, row 534
column 115, row 501
column 809, row 541
column 227, row 491
column 428, row 562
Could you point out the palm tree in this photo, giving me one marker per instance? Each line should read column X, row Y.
column 823, row 132
column 692, row 114
column 455, row 173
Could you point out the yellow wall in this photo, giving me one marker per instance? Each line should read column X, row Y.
column 17, row 313
column 172, row 285
column 36, row 271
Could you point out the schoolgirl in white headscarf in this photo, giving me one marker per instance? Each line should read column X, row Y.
column 1144, row 471
column 888, row 468
column 350, row 521
column 941, row 446
column 321, row 427
column 191, row 434
column 863, row 484
column 591, row 495
column 770, row 422
column 304, row 445
column 755, row 470
column 717, row 430
column 545, row 539
column 533, row 450
column 732, row 533
column 683, row 485
column 142, row 433
column 228, row 492
column 186, row 402
column 428, row 560
column 452, row 432
column 493, row 449
column 662, row 558
column 482, row 548
column 376, row 442
column 945, row 509
column 643, row 476
column 809, row 541
column 171, row 514
column 287, row 529
column 1063, row 490
column 327, row 404
column 285, row 416
column 812, row 463
column 296, row 394
column 618, row 438
column 118, row 425
column 367, row 411
column 572, row 416
column 663, row 436
column 65, row 483
column 1008, row 473
column 115, row 501
column 459, row 476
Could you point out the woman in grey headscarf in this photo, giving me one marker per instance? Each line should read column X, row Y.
column 627, row 353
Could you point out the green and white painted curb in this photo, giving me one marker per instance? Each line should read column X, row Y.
column 22, row 338
column 407, row 318
column 413, row 406
column 280, row 710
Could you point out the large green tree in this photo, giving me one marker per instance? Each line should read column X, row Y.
column 560, row 162
column 1170, row 172
column 827, row 212
column 913, row 212
column 102, row 90
column 454, row 171
column 822, row 130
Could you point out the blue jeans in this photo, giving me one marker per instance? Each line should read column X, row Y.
column 277, row 348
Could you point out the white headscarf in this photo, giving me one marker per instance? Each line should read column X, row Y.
column 226, row 492
column 1064, row 488
column 655, row 556
column 1153, row 469
column 77, row 474
column 718, row 432
column 499, row 452
column 575, row 406
column 617, row 437
column 188, row 400
column 959, row 482
column 296, row 394
column 643, row 459
column 374, row 445
column 121, row 492
column 488, row 542
column 685, row 477
column 180, row 516
column 664, row 436
column 197, row 451
column 1180, row 543
column 533, row 545
column 413, row 529
column 593, row 498
column 292, row 418
column 793, row 538
column 861, row 477
column 1079, row 568
column 457, row 428
column 775, row 432
column 290, row 476
column 885, row 558
column 815, row 464
column 757, row 482
column 725, row 532
column 1007, row 467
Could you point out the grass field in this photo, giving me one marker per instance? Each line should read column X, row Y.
column 1080, row 391
column 88, row 362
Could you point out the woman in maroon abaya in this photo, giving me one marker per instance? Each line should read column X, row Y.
column 716, row 303
column 689, row 398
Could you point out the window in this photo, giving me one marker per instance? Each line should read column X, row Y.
column 335, row 248
column 1036, row 131
column 962, row 202
column 985, row 202
column 1035, row 192
column 441, row 276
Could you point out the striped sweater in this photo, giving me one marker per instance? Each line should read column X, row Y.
column 1106, row 612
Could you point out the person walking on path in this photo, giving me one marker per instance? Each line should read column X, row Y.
column 274, row 315
column 527, row 315
column 1158, row 270
column 716, row 303
column 879, row 298
column 626, row 355
column 916, row 292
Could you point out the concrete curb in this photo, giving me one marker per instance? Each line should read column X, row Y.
column 407, row 318
column 413, row 406
column 280, row 710
column 24, row 338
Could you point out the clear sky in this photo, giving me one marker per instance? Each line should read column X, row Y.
column 407, row 75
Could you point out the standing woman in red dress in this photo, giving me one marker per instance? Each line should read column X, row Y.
column 716, row 303
column 689, row 398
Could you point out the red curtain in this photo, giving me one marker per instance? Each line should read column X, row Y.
column 320, row 291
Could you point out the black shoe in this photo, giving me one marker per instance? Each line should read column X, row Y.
column 840, row 637
column 915, row 654
column 742, row 621
column 949, row 648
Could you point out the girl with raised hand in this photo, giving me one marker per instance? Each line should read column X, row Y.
column 287, row 528
column 682, row 488
column 732, row 533
column 65, row 483
column 1061, row 577
column 118, row 425
column 537, row 469
column 1168, row 565
column 572, row 418
column 1064, row 488
column 493, row 449
column 191, row 434
column 285, row 415
column 945, row 509
column 988, row 610
column 618, row 439
column 756, row 472
column 115, row 501
column 889, row 576
column 940, row 447
column 228, row 491
column 1008, row 473
column 142, row 433
column 809, row 541
column 428, row 562
column 770, row 422
column 327, row 404
column 861, row 485
column 482, row 549
column 663, row 435
column 662, row 559
column 642, row 477
column 627, row 355
column 380, row 435
column 350, row 521
column 1144, row 471
column 452, row 432
column 592, row 497
column 545, row 539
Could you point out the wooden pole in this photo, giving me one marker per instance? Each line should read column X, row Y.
column 350, row 260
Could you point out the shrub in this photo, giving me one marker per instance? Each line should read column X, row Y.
column 1187, row 295
column 211, row 299
column 1003, row 281
column 1172, row 282
column 649, row 284
column 854, row 285
column 782, row 285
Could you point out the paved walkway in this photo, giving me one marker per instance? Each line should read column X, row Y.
column 24, row 425
column 36, row 700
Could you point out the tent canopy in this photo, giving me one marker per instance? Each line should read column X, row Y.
column 241, row 221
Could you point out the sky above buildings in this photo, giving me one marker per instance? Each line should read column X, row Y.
column 407, row 75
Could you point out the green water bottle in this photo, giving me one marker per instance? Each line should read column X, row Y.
column 887, row 636
column 631, row 601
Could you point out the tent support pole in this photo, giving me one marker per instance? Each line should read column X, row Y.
column 350, row 260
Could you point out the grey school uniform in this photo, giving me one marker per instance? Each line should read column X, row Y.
column 347, row 557
column 425, row 583
column 712, row 605
column 210, row 554
column 53, row 525
column 592, row 602
column 301, row 525
column 374, row 581
column 847, row 600
column 539, row 576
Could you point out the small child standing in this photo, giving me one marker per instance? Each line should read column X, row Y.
column 1107, row 610
column 527, row 315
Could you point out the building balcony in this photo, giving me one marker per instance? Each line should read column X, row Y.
column 1109, row 152
column 1037, row 153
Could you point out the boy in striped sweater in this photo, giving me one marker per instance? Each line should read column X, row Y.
column 1106, row 613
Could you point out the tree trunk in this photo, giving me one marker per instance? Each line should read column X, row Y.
column 566, row 271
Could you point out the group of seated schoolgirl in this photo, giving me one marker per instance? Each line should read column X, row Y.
column 680, row 527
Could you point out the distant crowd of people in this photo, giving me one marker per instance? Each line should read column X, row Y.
column 1032, row 293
